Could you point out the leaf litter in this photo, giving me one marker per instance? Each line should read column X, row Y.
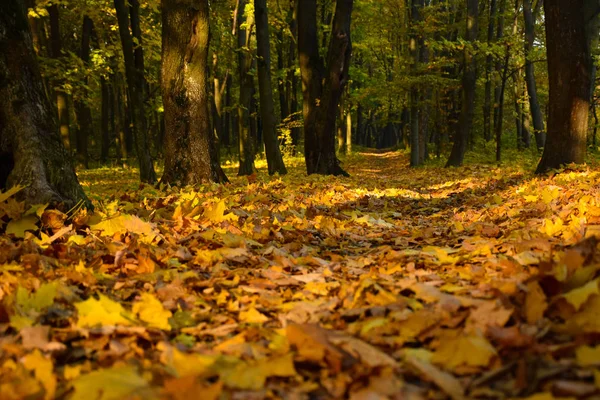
column 396, row 283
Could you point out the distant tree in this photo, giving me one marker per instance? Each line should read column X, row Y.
column 267, row 109
column 323, row 83
column 469, row 83
column 31, row 150
column 191, row 155
column 569, row 73
column 530, row 16
column 134, row 73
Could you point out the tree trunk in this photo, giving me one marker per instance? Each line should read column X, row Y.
column 349, row 130
column 322, row 88
column 62, row 98
column 415, row 140
column 105, row 118
column 292, row 78
column 246, row 139
column 569, row 82
column 534, row 105
column 498, row 66
column 281, row 81
column 190, row 151
column 135, row 90
column 469, row 82
column 267, row 109
column 84, row 114
column 31, row 151
column 487, row 104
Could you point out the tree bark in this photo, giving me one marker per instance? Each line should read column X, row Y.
column 105, row 119
column 191, row 157
column 267, row 109
column 31, row 150
column 568, row 56
column 135, row 90
column 415, row 140
column 62, row 98
column 487, row 104
column 534, row 105
column 321, row 87
column 246, row 138
column 84, row 114
column 469, row 82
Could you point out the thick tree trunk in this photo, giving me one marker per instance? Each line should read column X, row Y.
column 569, row 81
column 84, row 114
column 469, row 82
column 135, row 90
column 267, row 109
column 534, row 105
column 31, row 150
column 190, row 151
column 322, row 88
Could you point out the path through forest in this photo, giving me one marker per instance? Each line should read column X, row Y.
column 395, row 283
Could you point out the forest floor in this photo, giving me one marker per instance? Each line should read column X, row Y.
column 428, row 283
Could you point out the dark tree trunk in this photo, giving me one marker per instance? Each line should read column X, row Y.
column 84, row 114
column 62, row 98
column 292, row 79
column 217, row 106
column 498, row 66
column 487, row 104
column 246, row 139
column 322, row 87
column 568, row 56
column 415, row 140
column 469, row 82
column 281, row 82
column 135, row 90
column 267, row 109
column 534, row 105
column 190, row 151
column 31, row 151
column 227, row 116
column 105, row 118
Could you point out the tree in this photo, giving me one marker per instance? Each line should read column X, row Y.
column 267, row 109
column 134, row 74
column 569, row 74
column 469, row 82
column 530, row 16
column 31, row 150
column 245, row 23
column 323, row 84
column 191, row 155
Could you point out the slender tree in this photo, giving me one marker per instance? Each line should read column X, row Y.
column 84, row 114
column 530, row 16
column 322, row 83
column 246, row 138
column 267, row 109
column 469, row 81
column 569, row 73
column 31, row 150
column 135, row 90
column 191, row 155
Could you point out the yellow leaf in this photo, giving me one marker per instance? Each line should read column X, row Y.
column 550, row 193
column 71, row 372
column 552, row 228
column 587, row 355
column 126, row 223
column 114, row 383
column 469, row 351
column 18, row 227
column 535, row 303
column 37, row 301
column 10, row 192
column 150, row 310
column 577, row 297
column 101, row 312
column 252, row 376
column 184, row 364
column 253, row 316
column 441, row 254
column 216, row 213
column 43, row 371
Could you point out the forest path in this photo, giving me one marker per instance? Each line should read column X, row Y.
column 393, row 283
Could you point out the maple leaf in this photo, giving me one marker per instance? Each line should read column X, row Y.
column 114, row 383
column 43, row 369
column 150, row 310
column 127, row 223
column 101, row 312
